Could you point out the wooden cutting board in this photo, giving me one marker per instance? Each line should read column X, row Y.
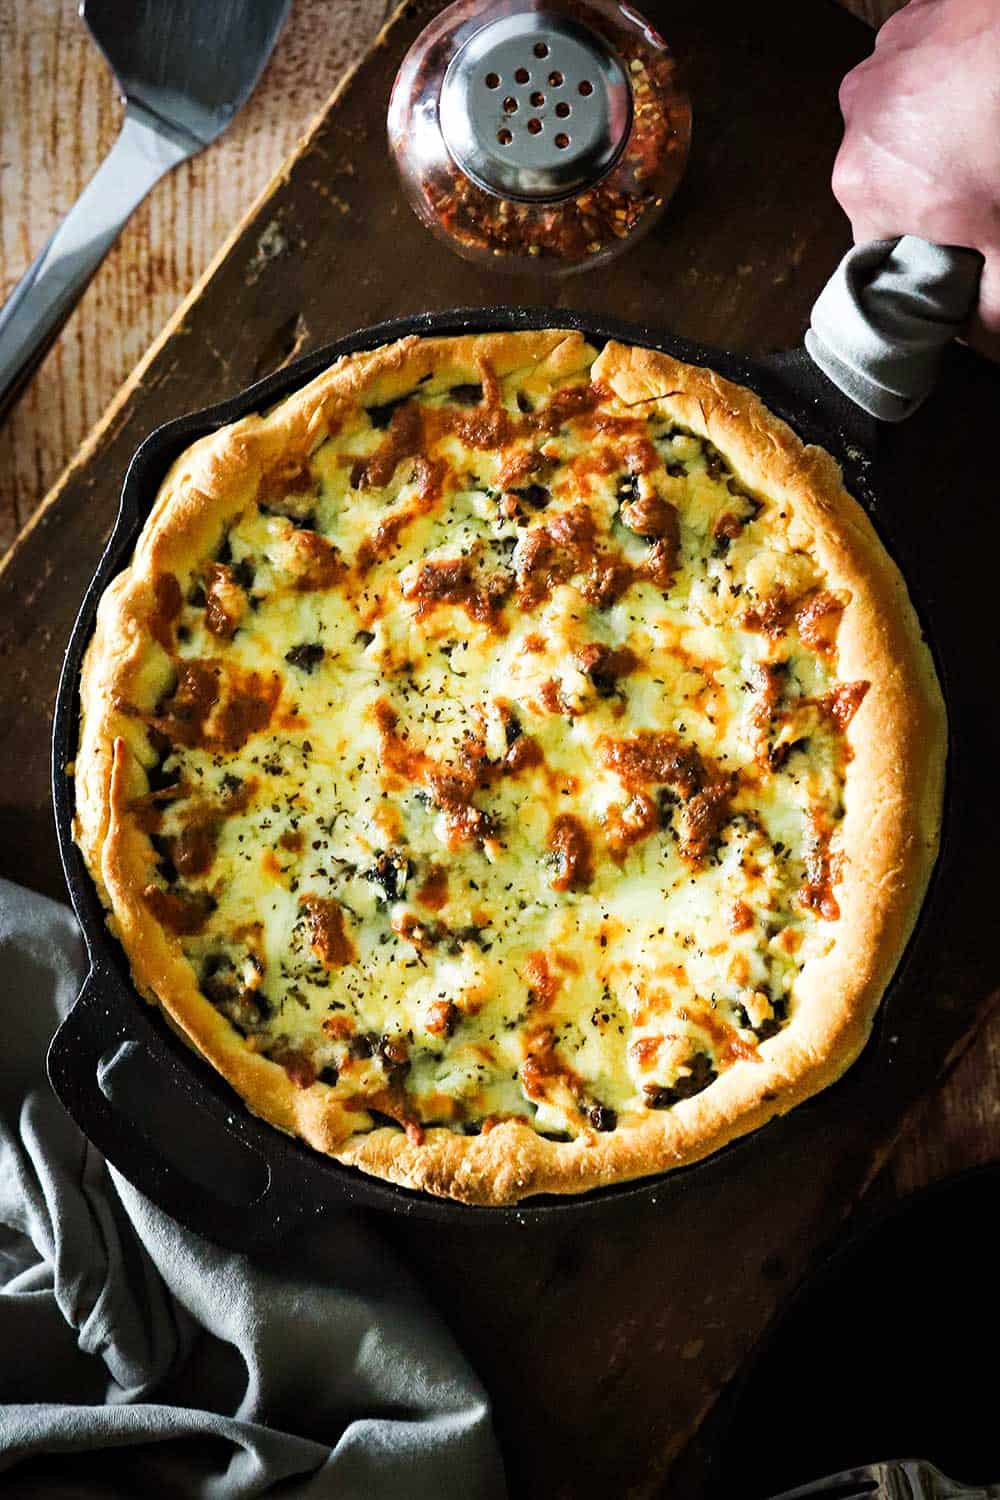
column 602, row 1350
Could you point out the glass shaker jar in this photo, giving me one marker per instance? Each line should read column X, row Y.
column 539, row 135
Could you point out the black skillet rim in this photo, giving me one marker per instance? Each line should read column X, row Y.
column 289, row 1159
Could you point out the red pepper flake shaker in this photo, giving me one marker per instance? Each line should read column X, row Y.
column 541, row 136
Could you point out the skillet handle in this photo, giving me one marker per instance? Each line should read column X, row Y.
column 883, row 320
column 174, row 1142
column 791, row 380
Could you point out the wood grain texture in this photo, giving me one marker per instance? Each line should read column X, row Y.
column 59, row 117
column 599, row 1353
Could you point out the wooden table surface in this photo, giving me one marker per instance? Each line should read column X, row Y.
column 47, row 67
column 49, row 72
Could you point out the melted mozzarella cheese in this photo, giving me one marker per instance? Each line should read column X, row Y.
column 393, row 913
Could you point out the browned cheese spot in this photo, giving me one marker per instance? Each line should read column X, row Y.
column 569, row 841
column 168, row 602
column 822, row 869
column 297, row 1063
column 182, row 912
column 662, row 758
column 328, row 936
column 454, row 581
column 817, row 619
column 225, row 601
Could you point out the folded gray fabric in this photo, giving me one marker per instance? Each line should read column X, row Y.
column 137, row 1358
column 882, row 321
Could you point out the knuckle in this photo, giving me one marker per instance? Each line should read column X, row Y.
column 847, row 180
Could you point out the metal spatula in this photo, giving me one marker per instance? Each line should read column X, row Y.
column 185, row 67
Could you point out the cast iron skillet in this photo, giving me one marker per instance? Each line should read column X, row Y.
column 161, row 1115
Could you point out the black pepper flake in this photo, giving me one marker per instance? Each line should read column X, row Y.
column 160, row 780
column 466, row 394
column 306, row 656
column 244, row 573
column 380, row 415
column 685, row 1086
column 535, row 495
column 390, row 872
column 628, row 488
column 166, row 868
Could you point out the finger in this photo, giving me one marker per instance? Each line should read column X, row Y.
column 852, row 188
column 984, row 329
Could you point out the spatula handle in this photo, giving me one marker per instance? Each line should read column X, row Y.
column 45, row 296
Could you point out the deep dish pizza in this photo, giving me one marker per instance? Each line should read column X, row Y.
column 516, row 768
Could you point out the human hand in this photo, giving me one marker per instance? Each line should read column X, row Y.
column 921, row 148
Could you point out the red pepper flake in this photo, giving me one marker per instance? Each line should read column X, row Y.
column 642, row 179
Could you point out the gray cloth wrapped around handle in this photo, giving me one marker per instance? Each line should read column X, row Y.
column 137, row 1358
column 881, row 323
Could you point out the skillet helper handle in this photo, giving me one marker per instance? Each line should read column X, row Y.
column 881, row 324
column 48, row 291
column 167, row 1140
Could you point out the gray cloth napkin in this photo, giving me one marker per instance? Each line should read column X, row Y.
column 137, row 1358
column 881, row 323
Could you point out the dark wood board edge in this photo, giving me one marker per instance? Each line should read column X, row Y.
column 105, row 427
column 602, row 1353
column 331, row 245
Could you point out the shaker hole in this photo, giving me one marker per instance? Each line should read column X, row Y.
column 562, row 110
column 562, row 140
column 537, row 100
column 510, row 105
column 586, row 88
column 556, row 80
column 534, row 126
column 492, row 80
column 541, row 50
column 522, row 75
column 504, row 137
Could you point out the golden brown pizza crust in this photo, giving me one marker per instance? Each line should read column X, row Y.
column 894, row 781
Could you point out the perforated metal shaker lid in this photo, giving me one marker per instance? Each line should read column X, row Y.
column 539, row 136
column 535, row 106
